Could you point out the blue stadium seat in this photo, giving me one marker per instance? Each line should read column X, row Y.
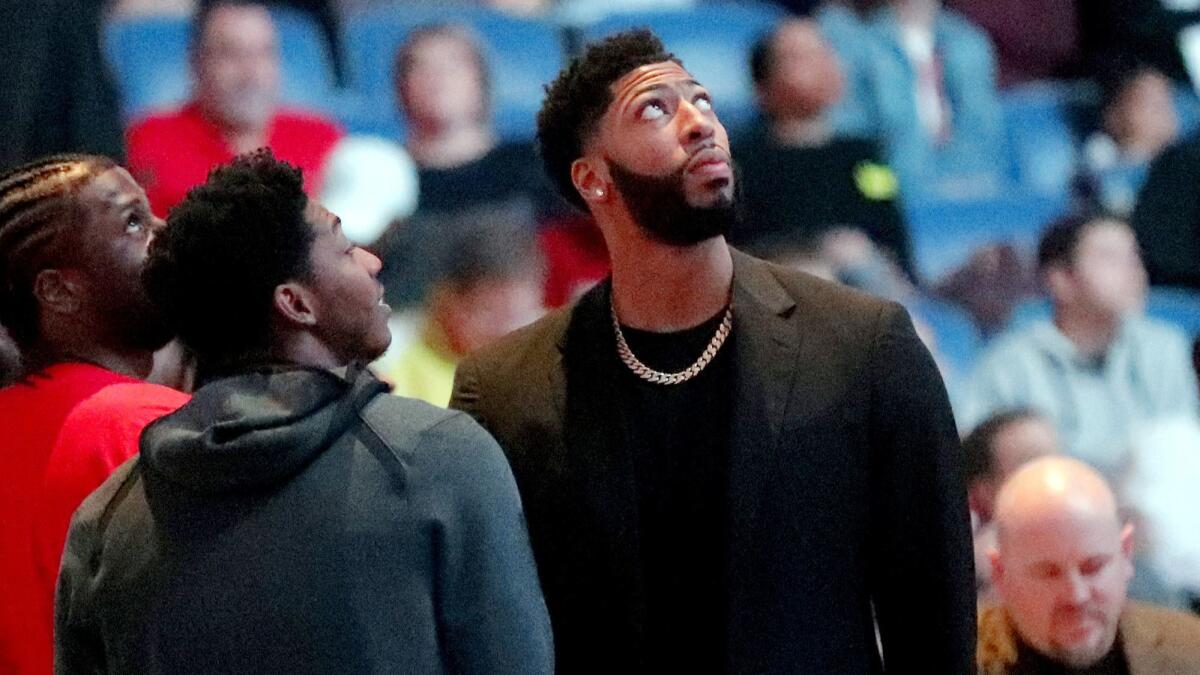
column 714, row 42
column 149, row 58
column 306, row 65
column 944, row 233
column 1180, row 306
column 1042, row 140
column 149, row 61
column 523, row 56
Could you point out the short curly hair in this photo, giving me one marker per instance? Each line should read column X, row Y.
column 213, row 270
column 577, row 98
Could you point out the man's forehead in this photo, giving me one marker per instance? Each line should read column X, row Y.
column 664, row 72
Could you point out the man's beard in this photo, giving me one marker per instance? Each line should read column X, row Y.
column 658, row 204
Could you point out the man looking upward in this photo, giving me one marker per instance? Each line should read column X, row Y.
column 725, row 465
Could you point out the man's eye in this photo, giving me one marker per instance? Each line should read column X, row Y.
column 652, row 111
column 703, row 103
column 134, row 224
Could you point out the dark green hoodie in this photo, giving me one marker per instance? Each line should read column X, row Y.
column 304, row 521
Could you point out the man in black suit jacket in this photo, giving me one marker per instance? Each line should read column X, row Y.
column 726, row 466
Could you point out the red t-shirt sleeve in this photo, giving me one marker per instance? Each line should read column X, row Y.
column 98, row 436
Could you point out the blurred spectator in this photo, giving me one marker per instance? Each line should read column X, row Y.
column 1026, row 50
column 56, row 95
column 1144, row 30
column 489, row 283
column 576, row 257
column 1098, row 367
column 993, row 281
column 234, row 109
column 323, row 12
column 859, row 57
column 1167, row 216
column 1062, row 565
column 994, row 450
column 799, row 178
column 937, row 102
column 370, row 183
column 1159, row 488
column 844, row 255
column 1138, row 121
column 442, row 84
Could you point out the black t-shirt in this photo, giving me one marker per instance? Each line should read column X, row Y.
column 1032, row 662
column 796, row 194
column 509, row 176
column 678, row 438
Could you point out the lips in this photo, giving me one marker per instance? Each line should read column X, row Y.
column 711, row 162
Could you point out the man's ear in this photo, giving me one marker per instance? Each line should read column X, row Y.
column 294, row 304
column 57, row 291
column 590, row 179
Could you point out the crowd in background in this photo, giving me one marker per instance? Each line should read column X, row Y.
column 865, row 134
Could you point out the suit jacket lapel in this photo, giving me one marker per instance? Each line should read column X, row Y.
column 765, row 347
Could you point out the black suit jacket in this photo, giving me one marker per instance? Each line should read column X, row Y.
column 846, row 495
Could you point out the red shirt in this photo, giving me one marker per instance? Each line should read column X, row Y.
column 97, row 437
column 576, row 259
column 173, row 152
column 31, row 416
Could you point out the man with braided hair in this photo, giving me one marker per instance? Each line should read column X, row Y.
column 74, row 231
column 726, row 466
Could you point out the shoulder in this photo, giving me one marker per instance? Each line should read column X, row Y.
column 439, row 443
column 1169, row 633
column 996, row 650
column 955, row 26
column 90, row 515
column 821, row 302
column 530, row 347
column 1159, row 334
column 308, row 123
column 154, row 127
column 129, row 400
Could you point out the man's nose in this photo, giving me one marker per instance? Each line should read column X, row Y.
column 696, row 124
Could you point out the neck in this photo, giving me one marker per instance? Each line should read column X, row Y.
column 444, row 147
column 240, row 137
column 1091, row 333
column 129, row 362
column 304, row 349
column 662, row 288
column 802, row 132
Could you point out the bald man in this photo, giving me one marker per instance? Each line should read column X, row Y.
column 1061, row 567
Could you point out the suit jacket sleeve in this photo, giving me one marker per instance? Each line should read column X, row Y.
column 922, row 571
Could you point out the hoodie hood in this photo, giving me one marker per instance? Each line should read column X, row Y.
column 256, row 428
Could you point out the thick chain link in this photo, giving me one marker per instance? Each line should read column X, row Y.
column 658, row 377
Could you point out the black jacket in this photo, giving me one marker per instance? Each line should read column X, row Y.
column 846, row 490
column 297, row 522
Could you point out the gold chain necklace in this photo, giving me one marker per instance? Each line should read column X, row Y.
column 658, row 377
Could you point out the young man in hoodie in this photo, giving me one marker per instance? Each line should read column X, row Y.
column 292, row 518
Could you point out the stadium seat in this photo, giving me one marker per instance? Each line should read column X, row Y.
column 944, row 233
column 1042, row 138
column 714, row 42
column 523, row 56
column 958, row 338
column 148, row 57
column 1180, row 306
